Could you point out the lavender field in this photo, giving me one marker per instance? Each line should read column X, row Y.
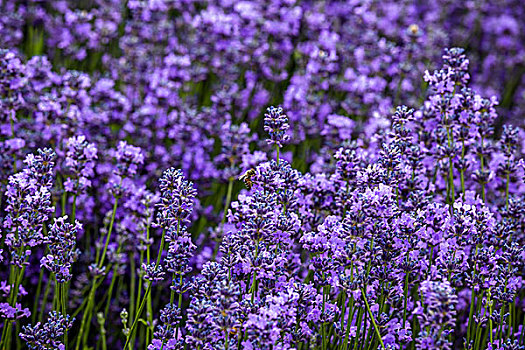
column 262, row 174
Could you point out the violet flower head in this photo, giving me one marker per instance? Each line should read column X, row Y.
column 235, row 141
column 455, row 60
column 11, row 71
column 348, row 160
column 13, row 312
column 128, row 159
column 276, row 125
column 80, row 162
column 164, row 335
column 180, row 251
column 437, row 314
column 28, row 204
column 509, row 140
column 41, row 166
column 153, row 272
column 61, row 242
column 177, row 196
column 47, row 335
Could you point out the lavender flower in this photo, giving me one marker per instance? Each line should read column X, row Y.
column 80, row 163
column 47, row 335
column 28, row 205
column 380, row 227
column 276, row 125
column 128, row 158
column 61, row 241
column 177, row 196
column 439, row 300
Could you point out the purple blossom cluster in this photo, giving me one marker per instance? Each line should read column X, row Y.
column 262, row 175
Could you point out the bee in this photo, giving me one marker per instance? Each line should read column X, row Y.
column 247, row 178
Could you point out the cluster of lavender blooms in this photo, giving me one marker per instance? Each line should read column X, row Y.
column 150, row 198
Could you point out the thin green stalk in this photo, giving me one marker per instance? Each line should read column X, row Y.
column 472, row 298
column 350, row 311
column 110, row 291
column 87, row 311
column 149, row 308
column 44, row 301
column 371, row 341
column 477, row 333
column 482, row 168
column 147, row 295
column 228, row 201
column 37, row 296
column 522, row 335
column 509, row 329
column 132, row 285
column 343, row 308
column 63, row 298
column 80, row 308
column 180, row 306
column 134, row 325
column 63, row 200
column 365, row 331
column 101, row 322
column 108, row 236
column 462, row 171
column 502, row 310
column 349, row 319
column 323, row 330
column 14, row 296
column 431, row 259
column 74, row 209
column 254, row 278
column 135, row 305
column 373, row 319
column 507, row 191
column 84, row 328
column 405, row 294
column 224, row 214
column 15, row 170
column 451, row 172
column 490, row 302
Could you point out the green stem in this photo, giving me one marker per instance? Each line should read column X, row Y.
column 147, row 295
column 108, row 236
column 44, row 301
column 507, row 191
column 81, row 338
column 132, row 330
column 135, row 306
column 349, row 319
column 462, row 171
column 358, row 324
column 63, row 287
column 472, row 298
column 132, row 285
column 228, row 201
column 323, row 330
column 110, row 291
column 224, row 214
column 13, row 298
column 83, row 333
column 37, row 296
column 482, row 168
column 405, row 299
column 451, row 172
column 74, row 209
column 373, row 319
column 489, row 302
